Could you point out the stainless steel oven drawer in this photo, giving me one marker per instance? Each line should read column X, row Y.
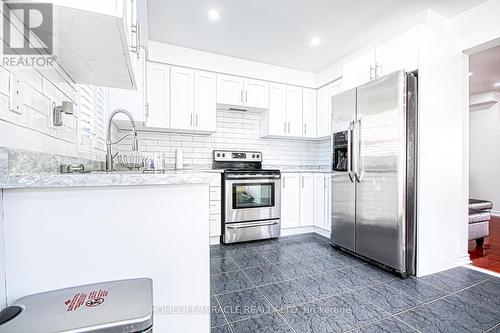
column 247, row 231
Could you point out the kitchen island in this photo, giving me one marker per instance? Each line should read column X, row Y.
column 67, row 230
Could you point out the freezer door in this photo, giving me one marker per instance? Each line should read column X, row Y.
column 380, row 164
column 343, row 185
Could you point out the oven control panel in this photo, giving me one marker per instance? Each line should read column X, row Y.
column 240, row 156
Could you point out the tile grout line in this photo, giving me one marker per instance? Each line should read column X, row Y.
column 225, row 318
column 267, row 300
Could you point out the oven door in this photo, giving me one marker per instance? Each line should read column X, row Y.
column 252, row 197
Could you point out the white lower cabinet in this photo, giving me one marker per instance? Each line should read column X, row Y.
column 290, row 200
column 306, row 199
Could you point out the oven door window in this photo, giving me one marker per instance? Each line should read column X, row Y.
column 253, row 195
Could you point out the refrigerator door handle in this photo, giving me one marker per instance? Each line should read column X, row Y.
column 358, row 173
column 349, row 151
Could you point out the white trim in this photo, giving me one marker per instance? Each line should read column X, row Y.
column 296, row 231
column 495, row 213
column 465, row 259
column 482, row 270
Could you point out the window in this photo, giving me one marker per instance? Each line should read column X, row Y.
column 92, row 117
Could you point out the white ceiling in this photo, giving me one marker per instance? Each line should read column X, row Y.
column 279, row 31
column 485, row 69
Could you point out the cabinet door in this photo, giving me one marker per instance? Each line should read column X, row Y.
column 294, row 111
column 290, row 200
column 400, row 52
column 324, row 113
column 306, row 199
column 309, row 112
column 256, row 94
column 359, row 70
column 158, row 95
column 277, row 124
column 181, row 98
column 319, row 200
column 328, row 202
column 205, row 109
column 133, row 101
column 229, row 90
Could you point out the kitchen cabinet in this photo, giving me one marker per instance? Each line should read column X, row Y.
column 359, row 70
column 133, row 101
column 205, row 109
column 284, row 117
column 306, row 199
column 290, row 200
column 256, row 94
column 328, row 202
column 324, row 106
column 157, row 95
column 398, row 53
column 181, row 98
column 309, row 112
column 322, row 199
column 238, row 92
column 294, row 111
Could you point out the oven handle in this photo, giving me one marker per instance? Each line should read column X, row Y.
column 252, row 224
column 260, row 176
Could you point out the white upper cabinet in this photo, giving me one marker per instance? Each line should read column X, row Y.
column 274, row 122
column 205, row 101
column 306, row 199
column 256, row 94
column 284, row 117
column 324, row 115
column 238, row 92
column 398, row 53
column 309, row 112
column 359, row 70
column 294, row 111
column 158, row 95
column 133, row 101
column 229, row 90
column 181, row 98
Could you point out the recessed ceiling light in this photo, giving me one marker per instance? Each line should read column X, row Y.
column 315, row 41
column 213, row 15
column 497, row 85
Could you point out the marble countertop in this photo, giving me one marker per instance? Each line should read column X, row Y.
column 98, row 179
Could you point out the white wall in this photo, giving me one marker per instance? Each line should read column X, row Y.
column 479, row 27
column 484, row 154
column 181, row 56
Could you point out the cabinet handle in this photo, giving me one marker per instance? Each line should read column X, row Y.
column 246, row 96
column 288, row 127
column 284, row 127
column 191, row 121
column 302, row 181
column 371, row 72
column 241, row 95
column 284, row 182
column 146, row 113
column 377, row 67
column 305, row 129
column 196, row 120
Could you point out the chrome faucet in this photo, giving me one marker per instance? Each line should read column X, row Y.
column 135, row 144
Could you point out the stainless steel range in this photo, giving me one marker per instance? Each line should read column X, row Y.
column 251, row 197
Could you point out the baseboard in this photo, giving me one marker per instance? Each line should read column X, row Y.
column 214, row 240
column 465, row 259
column 495, row 213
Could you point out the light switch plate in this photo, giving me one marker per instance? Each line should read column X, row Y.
column 16, row 95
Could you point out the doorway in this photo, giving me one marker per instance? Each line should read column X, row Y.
column 484, row 159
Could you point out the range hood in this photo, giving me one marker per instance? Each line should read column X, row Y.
column 91, row 48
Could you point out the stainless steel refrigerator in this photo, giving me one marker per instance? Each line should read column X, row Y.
column 374, row 170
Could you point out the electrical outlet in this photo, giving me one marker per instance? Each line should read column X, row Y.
column 16, row 95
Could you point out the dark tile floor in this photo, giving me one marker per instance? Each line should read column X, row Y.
column 301, row 284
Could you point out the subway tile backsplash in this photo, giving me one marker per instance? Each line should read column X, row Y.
column 235, row 130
